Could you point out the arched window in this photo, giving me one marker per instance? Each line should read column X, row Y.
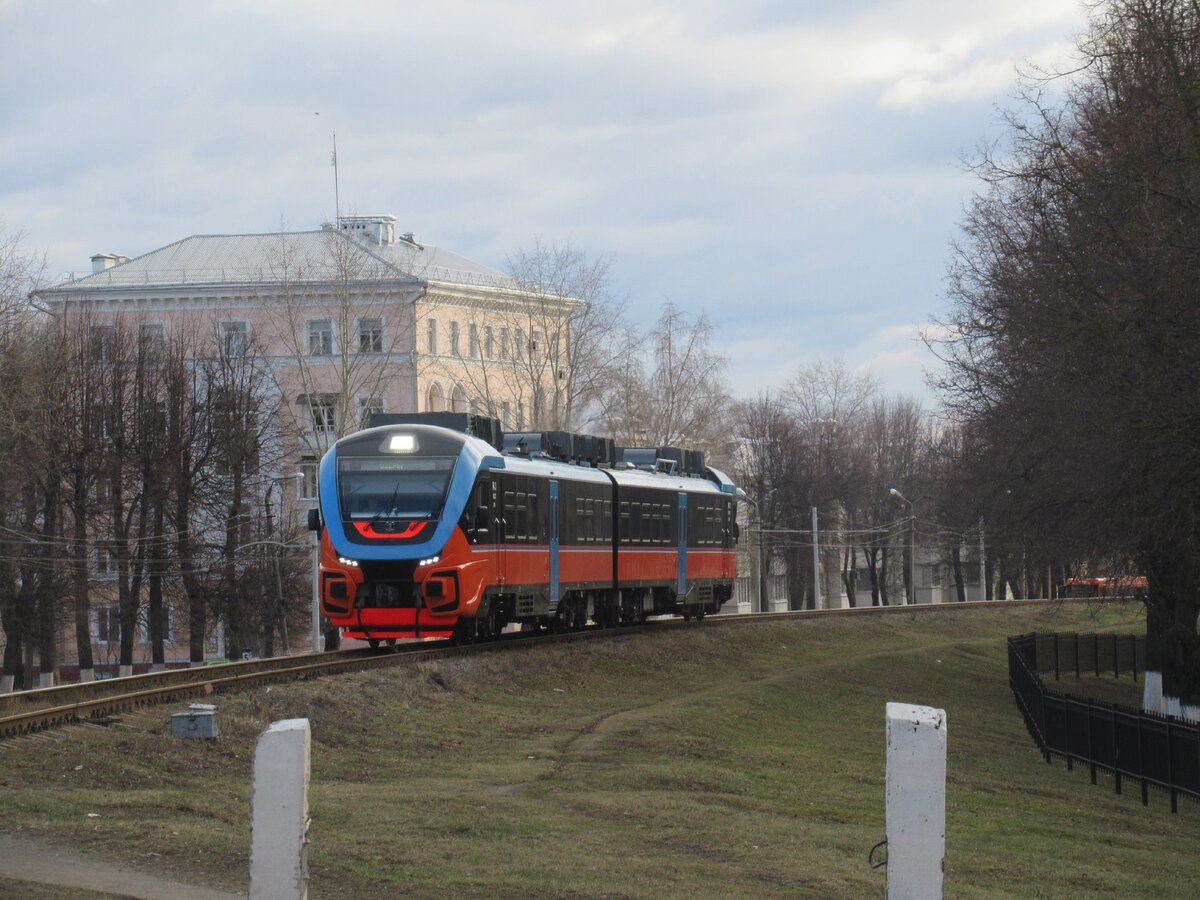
column 458, row 400
column 435, row 400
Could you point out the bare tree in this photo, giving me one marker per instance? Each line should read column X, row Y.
column 675, row 395
column 1070, row 344
column 344, row 317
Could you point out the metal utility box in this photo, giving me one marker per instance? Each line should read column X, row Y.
column 199, row 721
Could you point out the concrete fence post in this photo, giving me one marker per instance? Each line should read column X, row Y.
column 279, row 815
column 916, row 801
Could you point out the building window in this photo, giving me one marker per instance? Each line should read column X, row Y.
column 503, row 343
column 320, row 337
column 473, row 341
column 102, row 491
column 505, row 415
column 370, row 335
column 520, row 415
column 431, row 335
column 106, row 560
column 366, row 407
column 519, row 346
column 535, row 340
column 108, row 624
column 153, row 336
column 103, row 341
column 475, row 406
column 324, row 416
column 168, row 624
column 458, row 399
column 454, row 339
column 435, row 400
column 489, row 343
column 235, row 338
column 308, row 483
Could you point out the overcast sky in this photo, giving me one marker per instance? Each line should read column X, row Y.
column 791, row 168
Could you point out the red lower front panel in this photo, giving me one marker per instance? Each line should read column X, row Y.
column 395, row 623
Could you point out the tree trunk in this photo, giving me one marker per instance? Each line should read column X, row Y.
column 155, row 611
column 47, row 592
column 1172, row 608
column 12, row 671
column 883, row 577
column 79, row 580
column 956, row 561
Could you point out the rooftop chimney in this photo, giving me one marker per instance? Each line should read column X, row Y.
column 379, row 230
column 102, row 262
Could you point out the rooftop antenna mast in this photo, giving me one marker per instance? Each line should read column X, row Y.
column 337, row 202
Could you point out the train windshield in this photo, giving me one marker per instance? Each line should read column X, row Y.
column 412, row 487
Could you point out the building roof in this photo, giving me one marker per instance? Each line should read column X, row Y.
column 298, row 257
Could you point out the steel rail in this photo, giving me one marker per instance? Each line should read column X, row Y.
column 135, row 691
column 35, row 710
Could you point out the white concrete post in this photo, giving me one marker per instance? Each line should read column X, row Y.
column 279, row 815
column 916, row 801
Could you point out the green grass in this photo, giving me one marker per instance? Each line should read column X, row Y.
column 743, row 760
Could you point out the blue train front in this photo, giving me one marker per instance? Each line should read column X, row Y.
column 429, row 531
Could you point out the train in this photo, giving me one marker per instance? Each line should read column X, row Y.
column 440, row 525
column 1105, row 586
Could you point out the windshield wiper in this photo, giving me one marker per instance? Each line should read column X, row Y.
column 386, row 513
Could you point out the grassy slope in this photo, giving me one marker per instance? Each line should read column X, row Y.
column 707, row 761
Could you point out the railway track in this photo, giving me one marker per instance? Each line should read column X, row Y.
column 25, row 712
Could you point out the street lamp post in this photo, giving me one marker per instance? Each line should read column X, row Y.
column 912, row 546
column 278, row 482
column 316, row 592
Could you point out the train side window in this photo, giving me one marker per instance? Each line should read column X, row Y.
column 625, row 533
column 606, row 529
column 535, row 530
column 510, row 516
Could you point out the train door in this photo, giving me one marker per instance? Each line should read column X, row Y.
column 553, row 541
column 681, row 586
column 726, row 539
column 500, row 530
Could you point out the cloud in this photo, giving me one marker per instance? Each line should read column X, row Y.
column 790, row 170
column 896, row 355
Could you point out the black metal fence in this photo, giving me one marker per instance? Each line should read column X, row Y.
column 1155, row 751
column 1070, row 653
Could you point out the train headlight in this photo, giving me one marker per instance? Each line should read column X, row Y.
column 401, row 443
column 429, row 562
column 348, row 562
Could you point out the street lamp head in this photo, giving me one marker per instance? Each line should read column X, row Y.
column 896, row 493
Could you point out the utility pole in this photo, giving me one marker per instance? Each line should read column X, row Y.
column 816, row 563
column 758, row 567
column 982, row 564
column 912, row 546
column 316, row 593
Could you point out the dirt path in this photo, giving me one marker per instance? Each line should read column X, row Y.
column 32, row 860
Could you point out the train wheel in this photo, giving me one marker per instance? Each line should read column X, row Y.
column 391, row 642
column 373, row 643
